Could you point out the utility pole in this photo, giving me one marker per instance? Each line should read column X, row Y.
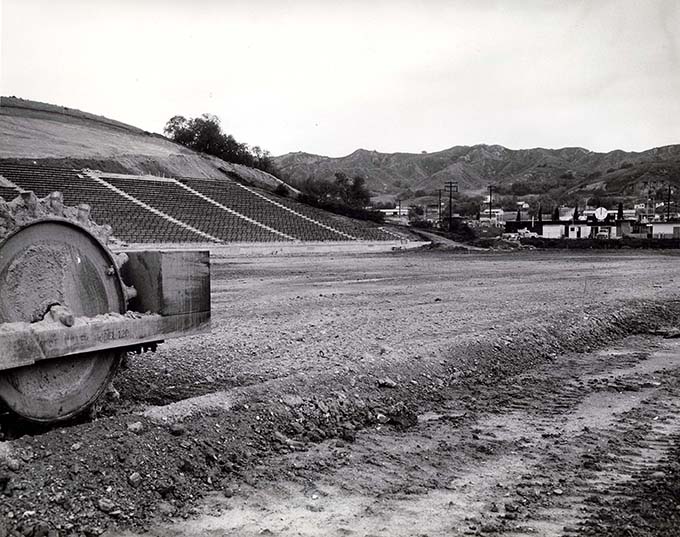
column 668, row 204
column 439, row 190
column 451, row 187
column 490, row 201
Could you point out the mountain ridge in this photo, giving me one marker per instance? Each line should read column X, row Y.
column 475, row 167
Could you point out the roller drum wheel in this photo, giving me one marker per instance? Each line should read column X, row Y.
column 47, row 263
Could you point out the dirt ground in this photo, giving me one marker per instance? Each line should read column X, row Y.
column 417, row 393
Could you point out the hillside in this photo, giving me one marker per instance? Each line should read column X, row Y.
column 569, row 170
column 64, row 136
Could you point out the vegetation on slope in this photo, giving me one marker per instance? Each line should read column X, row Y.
column 204, row 134
column 343, row 195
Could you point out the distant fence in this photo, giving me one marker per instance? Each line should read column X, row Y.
column 603, row 244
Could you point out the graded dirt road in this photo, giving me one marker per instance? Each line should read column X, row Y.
column 420, row 393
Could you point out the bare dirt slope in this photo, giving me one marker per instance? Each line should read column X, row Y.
column 30, row 130
column 403, row 394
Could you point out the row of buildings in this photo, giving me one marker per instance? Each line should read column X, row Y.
column 566, row 222
column 595, row 223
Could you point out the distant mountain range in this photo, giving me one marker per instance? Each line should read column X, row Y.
column 475, row 167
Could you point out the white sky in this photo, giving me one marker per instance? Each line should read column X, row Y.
column 329, row 77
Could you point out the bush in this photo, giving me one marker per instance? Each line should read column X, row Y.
column 344, row 210
column 282, row 190
column 342, row 196
column 421, row 224
column 204, row 134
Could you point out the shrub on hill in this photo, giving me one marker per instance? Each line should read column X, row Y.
column 204, row 134
column 282, row 190
column 342, row 196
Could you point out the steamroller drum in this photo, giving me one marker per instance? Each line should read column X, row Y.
column 51, row 263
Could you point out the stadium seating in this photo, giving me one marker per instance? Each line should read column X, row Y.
column 8, row 193
column 186, row 210
column 246, row 202
column 174, row 200
column 130, row 222
column 356, row 228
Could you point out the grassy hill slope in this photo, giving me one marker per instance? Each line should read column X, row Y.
column 60, row 135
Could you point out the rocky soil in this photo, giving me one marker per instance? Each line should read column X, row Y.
column 401, row 394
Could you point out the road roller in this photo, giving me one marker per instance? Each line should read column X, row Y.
column 74, row 301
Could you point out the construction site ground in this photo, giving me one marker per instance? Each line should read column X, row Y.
column 407, row 393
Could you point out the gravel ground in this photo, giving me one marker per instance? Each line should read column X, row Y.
column 312, row 354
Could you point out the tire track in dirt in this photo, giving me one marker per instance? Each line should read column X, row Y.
column 637, row 425
column 532, row 457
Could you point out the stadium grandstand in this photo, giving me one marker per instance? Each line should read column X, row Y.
column 161, row 210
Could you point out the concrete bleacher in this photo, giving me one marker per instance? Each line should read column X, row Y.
column 169, row 197
column 145, row 209
column 130, row 222
column 356, row 228
column 243, row 200
column 8, row 193
column 8, row 190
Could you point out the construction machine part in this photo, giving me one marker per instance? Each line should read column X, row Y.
column 65, row 321
column 51, row 261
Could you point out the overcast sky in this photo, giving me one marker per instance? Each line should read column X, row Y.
column 329, row 77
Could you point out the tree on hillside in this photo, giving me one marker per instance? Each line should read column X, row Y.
column 556, row 214
column 204, row 134
column 350, row 192
column 359, row 195
column 341, row 195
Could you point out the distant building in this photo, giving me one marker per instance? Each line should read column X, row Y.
column 396, row 212
column 396, row 215
column 497, row 215
column 553, row 230
column 593, row 230
column 665, row 230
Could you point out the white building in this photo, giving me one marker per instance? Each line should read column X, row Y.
column 396, row 212
column 553, row 231
column 665, row 230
